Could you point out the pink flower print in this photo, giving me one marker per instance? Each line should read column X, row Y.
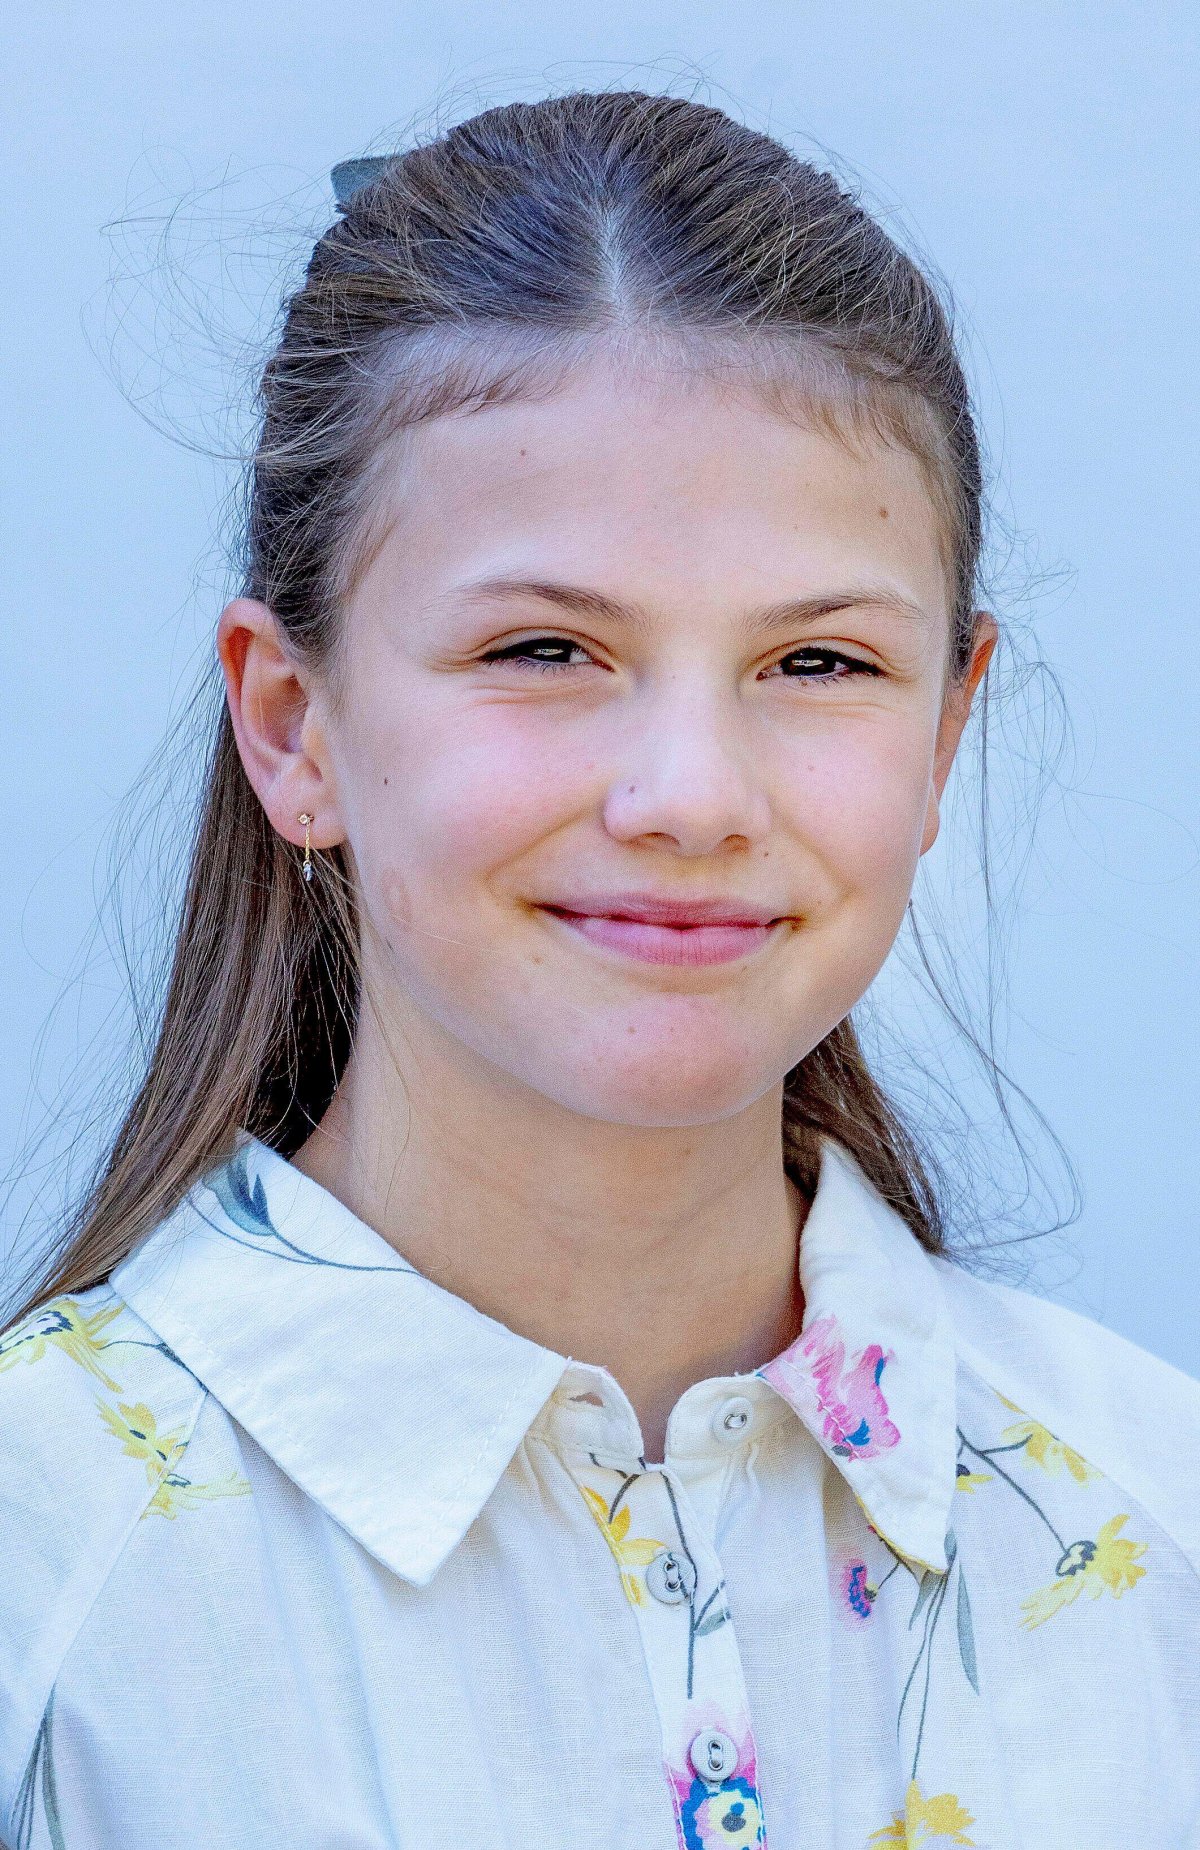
column 853, row 1410
column 858, row 1595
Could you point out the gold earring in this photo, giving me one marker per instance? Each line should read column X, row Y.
column 307, row 869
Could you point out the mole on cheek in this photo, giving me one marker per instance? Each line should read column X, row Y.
column 883, row 513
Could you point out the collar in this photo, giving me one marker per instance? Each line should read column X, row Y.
column 873, row 1372
column 397, row 1405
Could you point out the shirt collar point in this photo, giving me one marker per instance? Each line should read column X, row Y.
column 920, row 1535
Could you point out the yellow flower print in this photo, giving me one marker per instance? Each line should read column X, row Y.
column 1047, row 1451
column 1109, row 1561
column 730, row 1817
column 61, row 1322
column 628, row 1550
column 938, row 1820
column 177, row 1493
column 1044, row 1449
column 971, row 1480
column 136, row 1427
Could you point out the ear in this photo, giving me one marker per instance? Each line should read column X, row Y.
column 280, row 735
column 955, row 710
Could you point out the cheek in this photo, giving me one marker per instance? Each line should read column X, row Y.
column 468, row 804
column 861, row 804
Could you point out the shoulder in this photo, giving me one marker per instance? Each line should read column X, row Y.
column 95, row 1416
column 1130, row 1415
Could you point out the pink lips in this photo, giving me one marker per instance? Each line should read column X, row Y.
column 670, row 931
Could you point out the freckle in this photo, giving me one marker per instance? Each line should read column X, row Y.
column 385, row 780
column 883, row 513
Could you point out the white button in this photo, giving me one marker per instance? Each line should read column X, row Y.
column 732, row 1418
column 671, row 1577
column 714, row 1756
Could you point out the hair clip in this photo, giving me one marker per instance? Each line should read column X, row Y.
column 349, row 177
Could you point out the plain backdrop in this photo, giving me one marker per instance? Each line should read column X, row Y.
column 1044, row 160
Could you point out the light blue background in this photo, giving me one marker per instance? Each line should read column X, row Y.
column 1044, row 157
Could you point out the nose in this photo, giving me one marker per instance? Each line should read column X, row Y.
column 685, row 770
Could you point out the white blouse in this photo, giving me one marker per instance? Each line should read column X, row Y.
column 301, row 1550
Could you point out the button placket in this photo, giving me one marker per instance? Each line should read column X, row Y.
column 674, row 1584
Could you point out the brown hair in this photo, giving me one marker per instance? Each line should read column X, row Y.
column 462, row 272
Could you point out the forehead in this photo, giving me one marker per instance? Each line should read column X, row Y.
column 652, row 479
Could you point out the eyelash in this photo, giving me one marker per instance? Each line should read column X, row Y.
column 855, row 666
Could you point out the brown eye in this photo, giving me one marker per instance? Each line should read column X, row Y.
column 536, row 652
column 852, row 664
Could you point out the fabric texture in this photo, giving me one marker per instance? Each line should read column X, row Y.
column 301, row 1549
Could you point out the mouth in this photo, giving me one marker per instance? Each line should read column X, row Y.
column 651, row 942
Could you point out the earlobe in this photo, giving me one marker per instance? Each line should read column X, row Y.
column 933, row 823
column 279, row 738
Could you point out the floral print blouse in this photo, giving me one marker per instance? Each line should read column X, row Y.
column 300, row 1549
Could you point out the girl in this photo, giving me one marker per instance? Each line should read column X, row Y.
column 508, row 1387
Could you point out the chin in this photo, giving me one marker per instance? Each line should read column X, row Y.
column 663, row 1093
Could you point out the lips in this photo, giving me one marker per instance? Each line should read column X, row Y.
column 654, row 909
column 691, row 942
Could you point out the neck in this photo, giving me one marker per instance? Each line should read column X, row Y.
column 665, row 1255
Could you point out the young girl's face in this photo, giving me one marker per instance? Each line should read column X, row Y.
column 728, row 690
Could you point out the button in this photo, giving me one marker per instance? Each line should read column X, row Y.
column 671, row 1577
column 714, row 1756
column 732, row 1418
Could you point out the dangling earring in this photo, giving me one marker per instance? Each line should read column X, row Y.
column 307, row 869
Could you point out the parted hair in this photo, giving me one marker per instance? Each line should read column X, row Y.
column 468, row 270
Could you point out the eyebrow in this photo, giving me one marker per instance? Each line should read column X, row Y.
column 585, row 602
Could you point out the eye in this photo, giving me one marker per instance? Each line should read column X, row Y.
column 852, row 664
column 523, row 653
column 549, row 652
